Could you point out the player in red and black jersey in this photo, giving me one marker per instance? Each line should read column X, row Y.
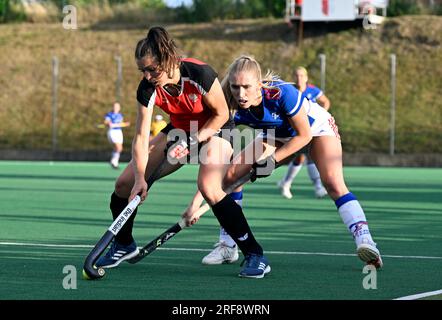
column 190, row 92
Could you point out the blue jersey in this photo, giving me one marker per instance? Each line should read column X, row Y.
column 278, row 106
column 312, row 93
column 114, row 118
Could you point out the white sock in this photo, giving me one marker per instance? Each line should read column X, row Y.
column 314, row 175
column 292, row 172
column 223, row 235
column 115, row 156
column 353, row 217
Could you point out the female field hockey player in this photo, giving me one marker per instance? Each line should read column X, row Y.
column 298, row 125
column 114, row 121
column 189, row 91
column 314, row 94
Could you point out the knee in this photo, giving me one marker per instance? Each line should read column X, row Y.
column 335, row 187
column 122, row 188
column 211, row 192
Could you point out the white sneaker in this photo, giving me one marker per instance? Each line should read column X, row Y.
column 320, row 192
column 221, row 254
column 285, row 189
column 114, row 163
column 368, row 253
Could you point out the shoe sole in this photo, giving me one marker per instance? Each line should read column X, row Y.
column 370, row 256
column 267, row 270
column 219, row 262
column 126, row 257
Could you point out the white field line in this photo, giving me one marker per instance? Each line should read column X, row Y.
column 420, row 295
column 50, row 245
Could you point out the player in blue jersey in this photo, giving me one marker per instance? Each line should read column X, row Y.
column 298, row 124
column 114, row 121
column 314, row 94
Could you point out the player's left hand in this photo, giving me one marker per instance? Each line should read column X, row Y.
column 263, row 168
column 180, row 149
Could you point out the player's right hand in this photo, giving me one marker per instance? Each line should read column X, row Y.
column 188, row 216
column 139, row 188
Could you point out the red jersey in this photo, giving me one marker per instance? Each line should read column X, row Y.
column 196, row 80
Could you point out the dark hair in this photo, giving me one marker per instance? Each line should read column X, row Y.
column 160, row 46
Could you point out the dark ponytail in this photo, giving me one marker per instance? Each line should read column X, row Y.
column 159, row 46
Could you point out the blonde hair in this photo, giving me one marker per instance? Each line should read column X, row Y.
column 300, row 68
column 248, row 64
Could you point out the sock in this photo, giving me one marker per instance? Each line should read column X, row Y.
column 292, row 172
column 117, row 205
column 223, row 235
column 314, row 175
column 115, row 157
column 231, row 218
column 353, row 217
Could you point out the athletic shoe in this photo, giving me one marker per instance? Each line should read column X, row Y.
column 221, row 254
column 116, row 254
column 368, row 253
column 285, row 189
column 256, row 266
column 114, row 163
column 320, row 192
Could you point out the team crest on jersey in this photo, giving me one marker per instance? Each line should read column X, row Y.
column 193, row 97
column 274, row 115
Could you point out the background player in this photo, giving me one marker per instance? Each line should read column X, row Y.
column 157, row 125
column 114, row 121
column 314, row 94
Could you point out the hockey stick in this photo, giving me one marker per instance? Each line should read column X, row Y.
column 121, row 125
column 90, row 271
column 180, row 225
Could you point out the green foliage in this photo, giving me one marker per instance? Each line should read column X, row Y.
column 402, row 7
column 211, row 10
column 4, row 8
column 10, row 11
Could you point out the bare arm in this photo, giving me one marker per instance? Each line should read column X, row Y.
column 324, row 102
column 140, row 151
column 216, row 102
column 301, row 125
column 192, row 208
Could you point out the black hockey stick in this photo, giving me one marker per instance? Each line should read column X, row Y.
column 90, row 271
column 180, row 225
